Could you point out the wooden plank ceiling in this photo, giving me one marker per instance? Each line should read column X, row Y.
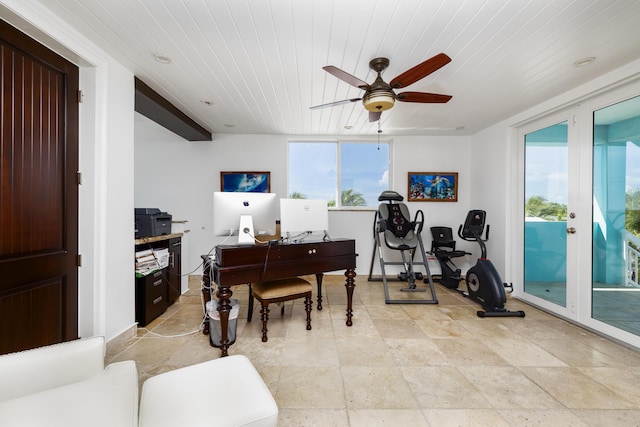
column 255, row 66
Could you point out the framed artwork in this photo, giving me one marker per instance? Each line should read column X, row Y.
column 245, row 182
column 433, row 187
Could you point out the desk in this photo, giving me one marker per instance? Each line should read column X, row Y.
column 240, row 265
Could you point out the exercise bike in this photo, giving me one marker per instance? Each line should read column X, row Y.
column 443, row 247
column 484, row 284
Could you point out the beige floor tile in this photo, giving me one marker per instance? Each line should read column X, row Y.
column 416, row 352
column 362, row 327
column 443, row 387
column 619, row 355
column 443, row 328
column 363, row 351
column 387, row 417
column 598, row 418
column 576, row 353
column 466, row 418
column 508, row 388
column 375, row 388
column 310, row 351
column 577, row 390
column 425, row 312
column 388, row 312
column 313, row 417
column 520, row 352
column 623, row 380
column 260, row 353
column 398, row 328
column 495, row 327
column 470, row 352
column 550, row 418
column 310, row 387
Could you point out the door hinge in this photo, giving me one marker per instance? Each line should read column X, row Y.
column 79, row 177
column 79, row 260
column 80, row 97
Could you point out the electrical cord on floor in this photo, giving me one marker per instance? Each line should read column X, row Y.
column 176, row 335
column 199, row 329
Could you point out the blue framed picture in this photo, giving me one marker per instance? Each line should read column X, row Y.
column 433, row 187
column 245, row 182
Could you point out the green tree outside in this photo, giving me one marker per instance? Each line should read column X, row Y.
column 348, row 198
column 539, row 207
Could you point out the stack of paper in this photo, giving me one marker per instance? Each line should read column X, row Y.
column 150, row 260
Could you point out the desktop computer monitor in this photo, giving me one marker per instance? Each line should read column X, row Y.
column 298, row 216
column 247, row 215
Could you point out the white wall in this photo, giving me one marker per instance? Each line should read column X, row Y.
column 184, row 186
column 489, row 169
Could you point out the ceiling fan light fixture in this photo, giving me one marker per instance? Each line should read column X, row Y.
column 379, row 100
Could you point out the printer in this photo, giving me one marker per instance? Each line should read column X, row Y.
column 151, row 222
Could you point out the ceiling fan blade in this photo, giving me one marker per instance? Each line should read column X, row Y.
column 374, row 116
column 420, row 71
column 333, row 104
column 423, row 97
column 346, row 77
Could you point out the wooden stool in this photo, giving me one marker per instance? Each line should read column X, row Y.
column 279, row 291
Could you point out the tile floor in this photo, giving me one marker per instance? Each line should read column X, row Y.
column 412, row 365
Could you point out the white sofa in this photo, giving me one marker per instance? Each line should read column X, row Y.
column 68, row 385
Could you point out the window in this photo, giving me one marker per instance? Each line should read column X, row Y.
column 357, row 171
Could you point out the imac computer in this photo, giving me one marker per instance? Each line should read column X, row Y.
column 301, row 217
column 247, row 215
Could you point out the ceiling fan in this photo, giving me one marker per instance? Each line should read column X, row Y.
column 379, row 96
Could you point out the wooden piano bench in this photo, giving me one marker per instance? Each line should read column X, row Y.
column 275, row 291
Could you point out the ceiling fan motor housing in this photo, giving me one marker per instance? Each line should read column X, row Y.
column 379, row 99
column 379, row 96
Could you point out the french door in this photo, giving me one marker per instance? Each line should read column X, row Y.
column 578, row 211
column 550, row 203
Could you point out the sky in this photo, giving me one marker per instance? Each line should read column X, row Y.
column 312, row 169
column 546, row 168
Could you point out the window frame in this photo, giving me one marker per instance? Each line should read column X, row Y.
column 338, row 147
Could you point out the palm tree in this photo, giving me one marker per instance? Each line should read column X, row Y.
column 632, row 211
column 297, row 195
column 539, row 207
column 349, row 198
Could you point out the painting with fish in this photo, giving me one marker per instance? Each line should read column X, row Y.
column 433, row 187
column 245, row 182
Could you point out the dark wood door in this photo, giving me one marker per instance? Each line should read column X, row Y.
column 38, row 194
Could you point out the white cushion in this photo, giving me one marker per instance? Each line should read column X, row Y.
column 221, row 392
column 109, row 399
column 56, row 365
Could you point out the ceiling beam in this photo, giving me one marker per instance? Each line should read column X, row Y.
column 152, row 105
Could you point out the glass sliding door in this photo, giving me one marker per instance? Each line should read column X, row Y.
column 616, row 215
column 545, row 209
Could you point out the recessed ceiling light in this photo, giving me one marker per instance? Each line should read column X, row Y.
column 163, row 59
column 348, row 127
column 229, row 125
column 584, row 61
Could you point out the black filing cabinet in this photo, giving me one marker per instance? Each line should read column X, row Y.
column 151, row 296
